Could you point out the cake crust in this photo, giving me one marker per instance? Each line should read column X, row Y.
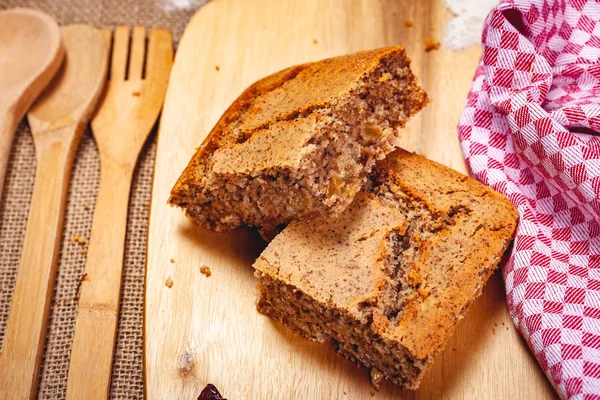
column 389, row 280
column 300, row 143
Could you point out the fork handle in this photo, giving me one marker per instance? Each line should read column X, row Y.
column 30, row 306
column 97, row 314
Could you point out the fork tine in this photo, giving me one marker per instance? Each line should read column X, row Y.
column 119, row 54
column 160, row 55
column 136, row 56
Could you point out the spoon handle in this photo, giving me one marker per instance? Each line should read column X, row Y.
column 30, row 306
column 8, row 125
column 98, row 308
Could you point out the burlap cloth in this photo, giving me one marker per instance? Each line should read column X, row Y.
column 127, row 379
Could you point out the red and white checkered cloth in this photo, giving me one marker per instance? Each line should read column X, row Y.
column 530, row 129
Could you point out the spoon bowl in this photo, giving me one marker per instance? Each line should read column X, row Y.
column 75, row 86
column 31, row 52
column 57, row 120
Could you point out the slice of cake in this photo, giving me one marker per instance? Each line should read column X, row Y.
column 300, row 143
column 389, row 279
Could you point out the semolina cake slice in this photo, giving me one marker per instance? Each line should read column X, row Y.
column 389, row 279
column 300, row 143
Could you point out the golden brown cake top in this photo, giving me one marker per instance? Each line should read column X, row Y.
column 335, row 261
column 285, row 101
column 312, row 86
column 460, row 258
column 284, row 144
column 340, row 262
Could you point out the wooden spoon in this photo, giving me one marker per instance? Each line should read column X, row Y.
column 30, row 54
column 57, row 120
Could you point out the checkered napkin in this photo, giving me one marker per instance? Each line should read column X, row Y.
column 531, row 130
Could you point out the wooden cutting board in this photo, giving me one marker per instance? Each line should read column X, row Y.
column 203, row 330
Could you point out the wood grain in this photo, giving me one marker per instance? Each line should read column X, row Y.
column 203, row 330
column 57, row 119
column 122, row 124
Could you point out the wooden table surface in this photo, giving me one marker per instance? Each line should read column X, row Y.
column 204, row 330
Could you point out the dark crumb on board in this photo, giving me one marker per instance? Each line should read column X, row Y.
column 210, row 392
column 204, row 270
column 493, row 331
column 217, row 68
column 315, row 41
column 136, row 94
column 431, row 44
column 344, row 393
column 372, row 392
column 454, row 349
column 172, row 260
column 169, row 282
column 408, row 24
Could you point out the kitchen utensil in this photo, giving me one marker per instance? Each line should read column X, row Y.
column 57, row 120
column 121, row 126
column 30, row 54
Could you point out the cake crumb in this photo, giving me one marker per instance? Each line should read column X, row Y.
column 136, row 94
column 172, row 260
column 431, row 44
column 493, row 331
column 169, row 282
column 507, row 328
column 372, row 392
column 217, row 68
column 344, row 393
column 376, row 378
column 315, row 41
column 84, row 252
column 204, row 270
column 454, row 349
column 408, row 24
column 78, row 239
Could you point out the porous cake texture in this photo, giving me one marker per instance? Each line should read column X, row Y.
column 389, row 279
column 299, row 144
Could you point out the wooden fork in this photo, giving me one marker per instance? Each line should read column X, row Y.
column 121, row 126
